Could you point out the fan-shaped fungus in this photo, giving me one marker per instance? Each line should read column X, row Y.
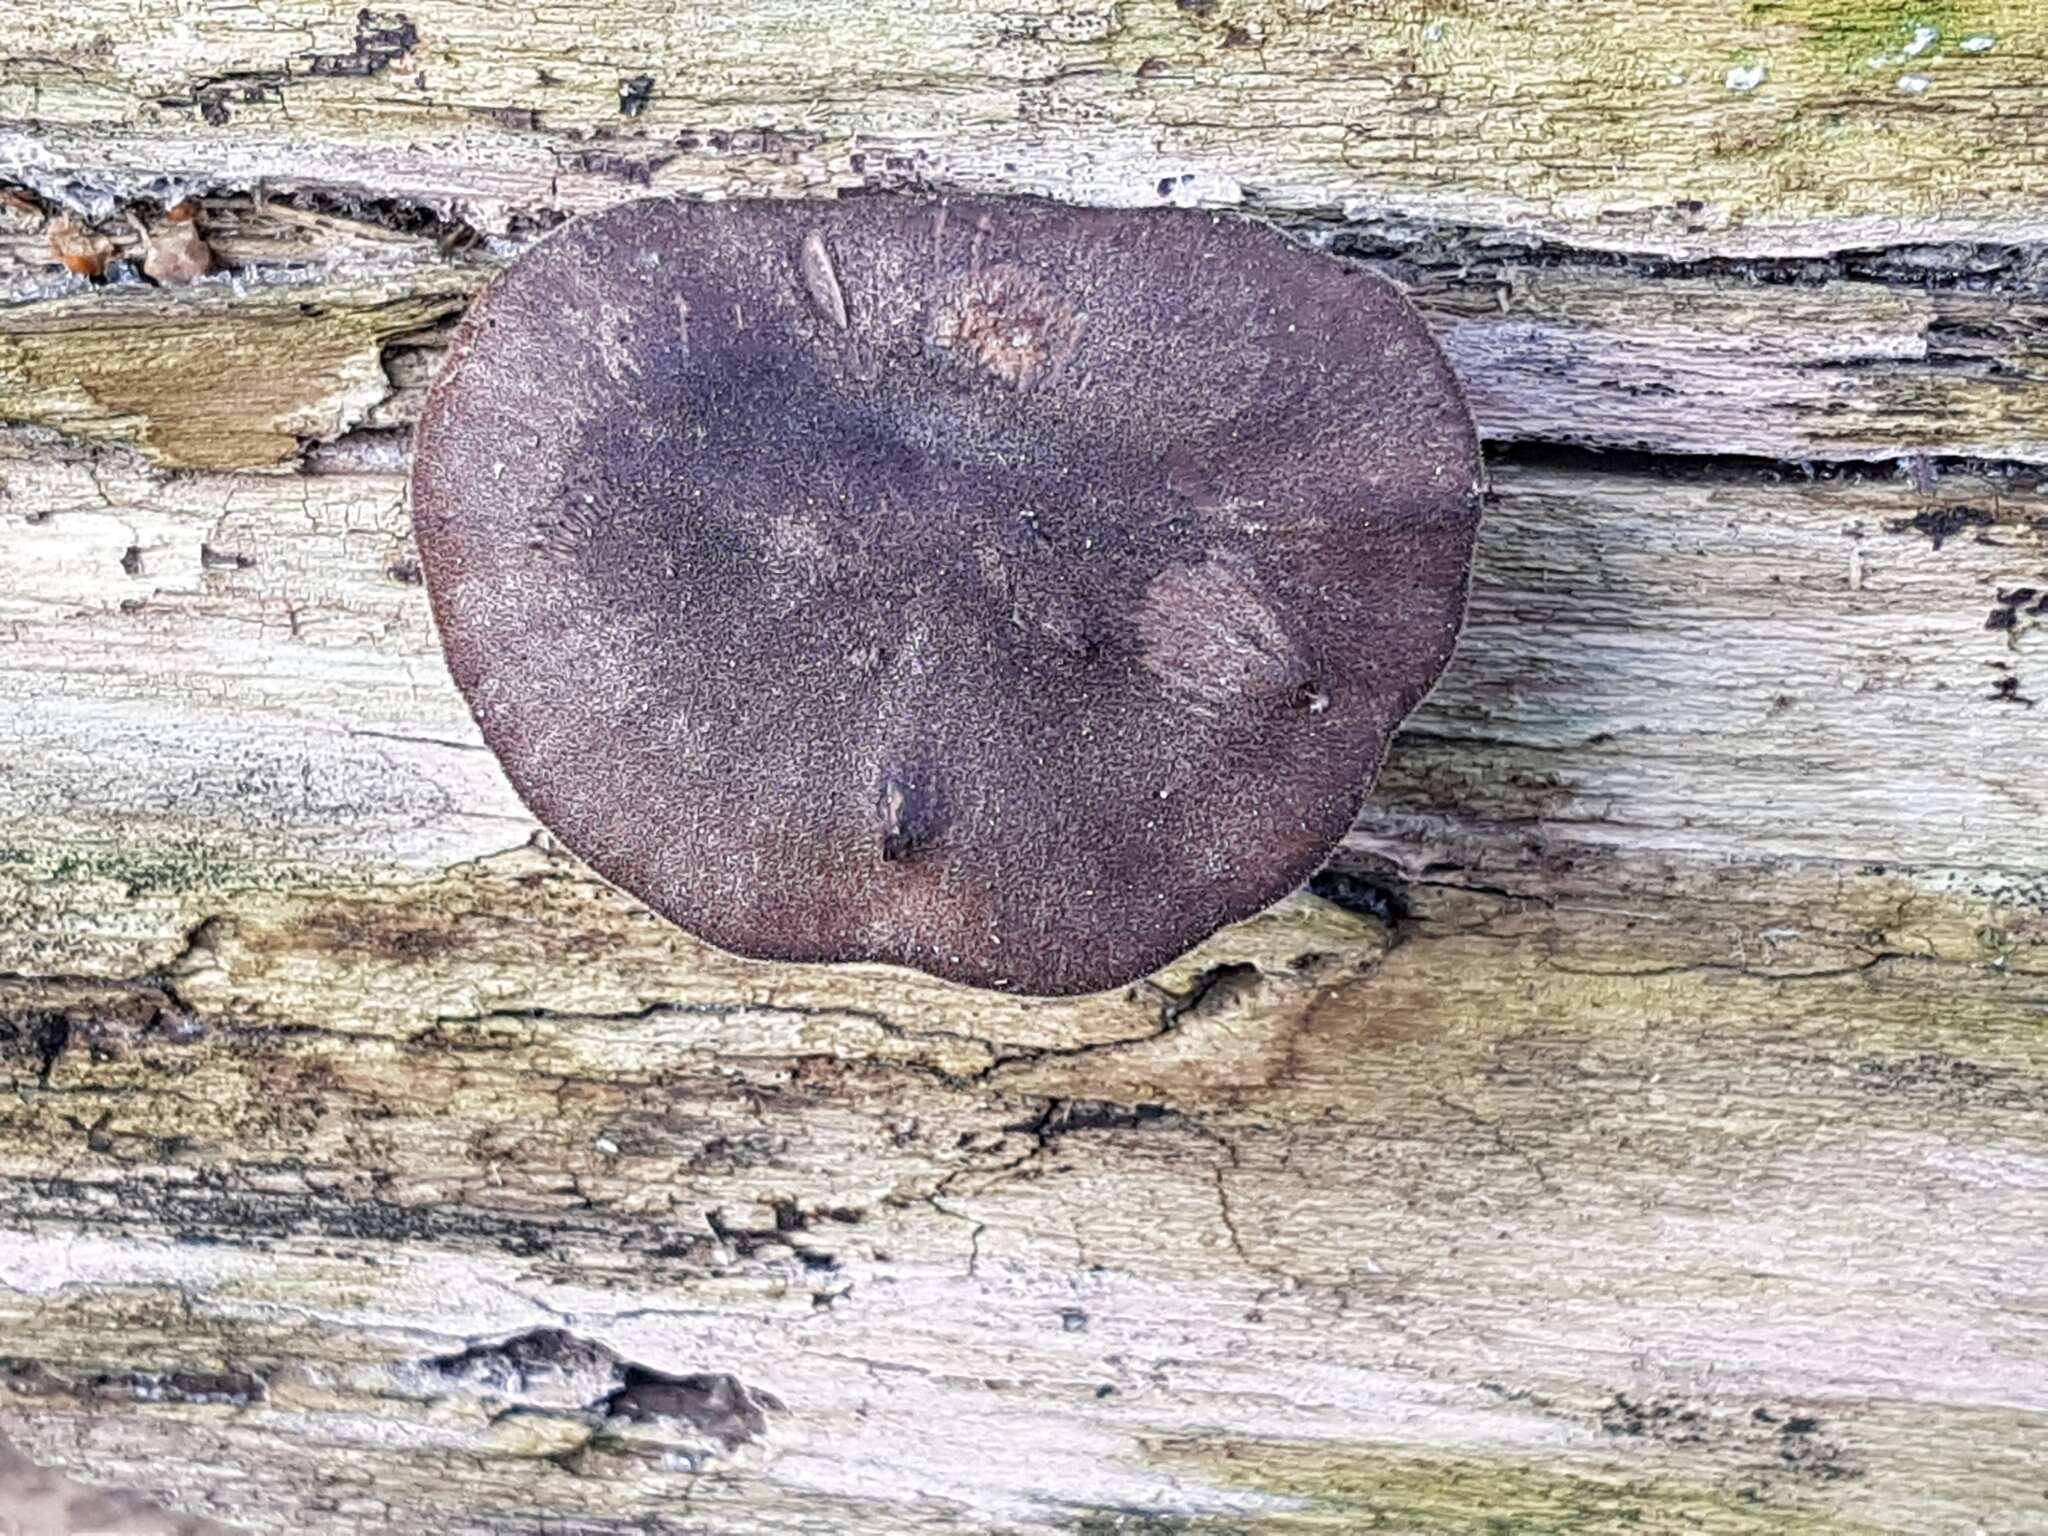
column 1012, row 591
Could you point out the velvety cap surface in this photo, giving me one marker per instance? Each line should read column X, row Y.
column 1011, row 591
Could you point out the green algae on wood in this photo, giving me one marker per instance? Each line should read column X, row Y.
column 1904, row 36
column 1341, row 1488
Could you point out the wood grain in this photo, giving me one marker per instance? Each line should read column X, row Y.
column 1642, row 1127
column 1696, row 908
column 1690, row 127
column 1711, row 663
column 317, row 324
column 37, row 1502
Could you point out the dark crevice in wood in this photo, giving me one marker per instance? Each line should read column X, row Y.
column 1972, row 267
column 389, row 450
column 1925, row 471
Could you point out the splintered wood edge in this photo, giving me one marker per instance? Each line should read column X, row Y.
column 302, row 342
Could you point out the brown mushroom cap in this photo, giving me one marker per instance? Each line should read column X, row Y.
column 1012, row 591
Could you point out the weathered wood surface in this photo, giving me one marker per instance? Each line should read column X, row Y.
column 1693, row 127
column 1644, row 1128
column 1828, row 361
column 34, row 1501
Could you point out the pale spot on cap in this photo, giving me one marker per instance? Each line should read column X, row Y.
column 1011, row 591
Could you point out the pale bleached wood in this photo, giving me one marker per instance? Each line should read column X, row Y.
column 1794, row 371
column 1531, row 1212
column 1683, row 126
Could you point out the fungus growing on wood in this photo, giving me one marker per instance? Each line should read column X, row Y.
column 1015, row 592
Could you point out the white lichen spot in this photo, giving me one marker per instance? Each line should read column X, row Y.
column 1433, row 33
column 1924, row 38
column 1983, row 42
column 1914, row 82
column 1746, row 77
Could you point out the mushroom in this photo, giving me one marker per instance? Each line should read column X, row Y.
column 1015, row 592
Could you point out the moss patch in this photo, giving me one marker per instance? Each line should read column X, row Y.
column 1850, row 34
column 168, row 868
